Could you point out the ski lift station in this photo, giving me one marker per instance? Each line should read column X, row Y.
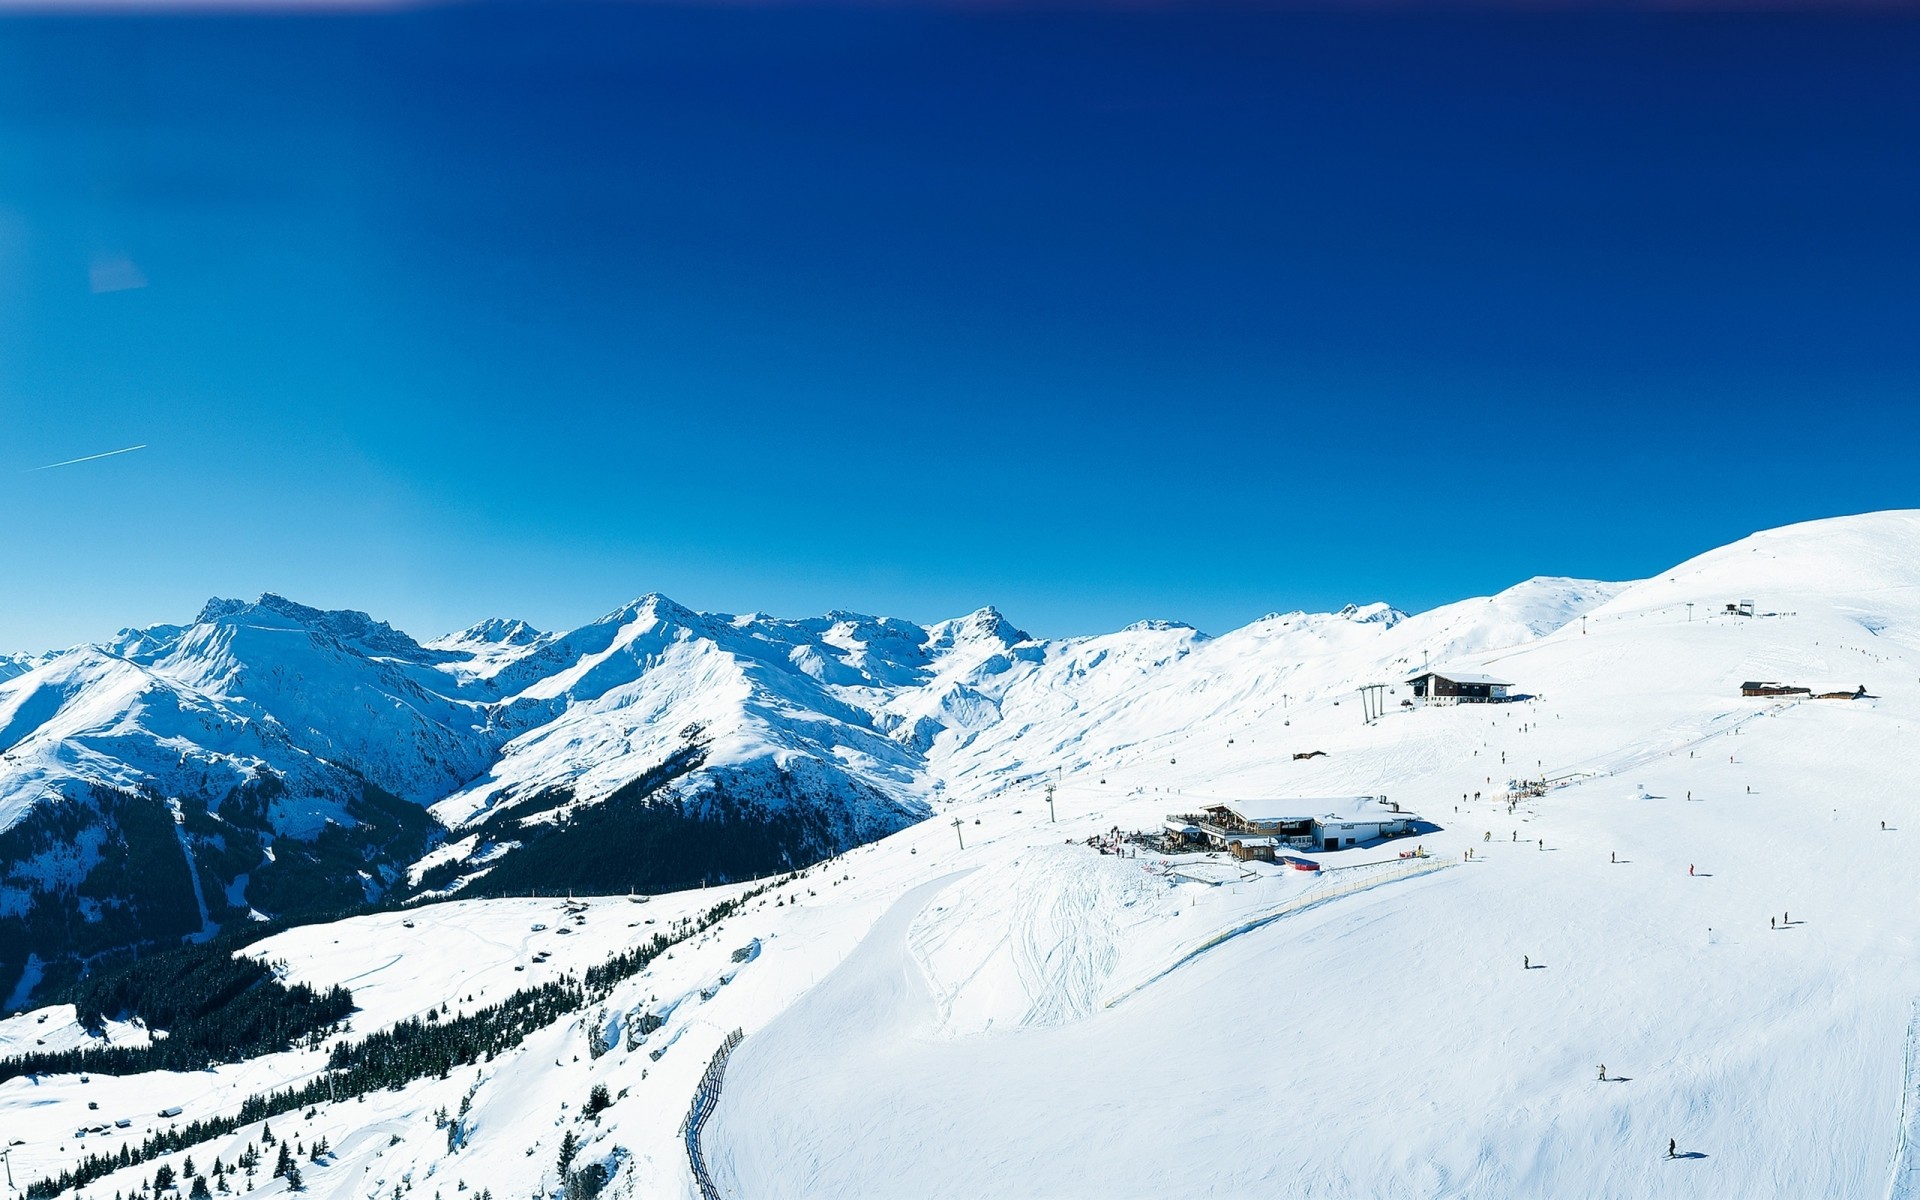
column 1458, row 687
column 1260, row 828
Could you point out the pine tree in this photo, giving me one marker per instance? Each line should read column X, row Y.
column 294, row 1180
column 200, row 1190
column 569, row 1146
column 163, row 1178
column 284, row 1163
column 597, row 1100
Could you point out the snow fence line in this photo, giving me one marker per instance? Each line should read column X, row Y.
column 1358, row 878
column 1902, row 1184
column 705, row 1097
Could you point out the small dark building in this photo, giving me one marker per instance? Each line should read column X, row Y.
column 1458, row 687
column 1752, row 688
column 1859, row 693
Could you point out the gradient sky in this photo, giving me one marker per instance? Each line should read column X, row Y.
column 1092, row 315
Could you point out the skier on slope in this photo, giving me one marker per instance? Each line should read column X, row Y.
column 1673, row 1148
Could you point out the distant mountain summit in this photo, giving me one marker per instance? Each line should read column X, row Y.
column 495, row 631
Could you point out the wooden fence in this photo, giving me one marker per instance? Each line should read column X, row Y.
column 705, row 1097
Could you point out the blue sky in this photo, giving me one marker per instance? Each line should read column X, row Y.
column 1092, row 315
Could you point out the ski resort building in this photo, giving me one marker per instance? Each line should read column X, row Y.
column 1458, row 687
column 1765, row 688
column 1261, row 828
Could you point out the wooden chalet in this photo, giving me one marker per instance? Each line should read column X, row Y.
column 1458, row 687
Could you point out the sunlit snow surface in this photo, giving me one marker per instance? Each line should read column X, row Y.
column 924, row 1020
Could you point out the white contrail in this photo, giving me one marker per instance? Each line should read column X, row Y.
column 91, row 457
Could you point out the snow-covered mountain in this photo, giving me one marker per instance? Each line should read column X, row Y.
column 268, row 758
column 1712, row 905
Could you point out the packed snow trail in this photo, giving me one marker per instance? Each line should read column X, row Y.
column 1325, row 890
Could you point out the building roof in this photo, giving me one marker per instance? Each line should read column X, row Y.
column 1462, row 677
column 1254, row 841
column 1303, row 808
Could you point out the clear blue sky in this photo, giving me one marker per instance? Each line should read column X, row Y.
column 1091, row 315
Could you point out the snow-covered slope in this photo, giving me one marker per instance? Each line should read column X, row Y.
column 1712, row 899
column 1105, row 703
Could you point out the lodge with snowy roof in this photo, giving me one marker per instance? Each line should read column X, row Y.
column 1458, row 687
column 1260, row 828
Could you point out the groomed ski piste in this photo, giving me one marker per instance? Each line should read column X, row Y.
column 1705, row 900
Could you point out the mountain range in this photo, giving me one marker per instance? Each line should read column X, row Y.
column 270, row 760
column 1649, row 932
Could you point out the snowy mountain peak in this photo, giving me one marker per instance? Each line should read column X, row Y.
column 981, row 625
column 495, row 631
column 12, row 665
column 1157, row 626
column 655, row 607
column 1384, row 615
column 349, row 627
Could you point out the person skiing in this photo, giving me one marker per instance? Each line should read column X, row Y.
column 1603, row 1072
column 1770, row 924
column 1526, row 964
column 1673, row 1148
column 1613, row 856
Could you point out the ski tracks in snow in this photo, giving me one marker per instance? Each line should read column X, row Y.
column 1032, row 942
column 1060, row 954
